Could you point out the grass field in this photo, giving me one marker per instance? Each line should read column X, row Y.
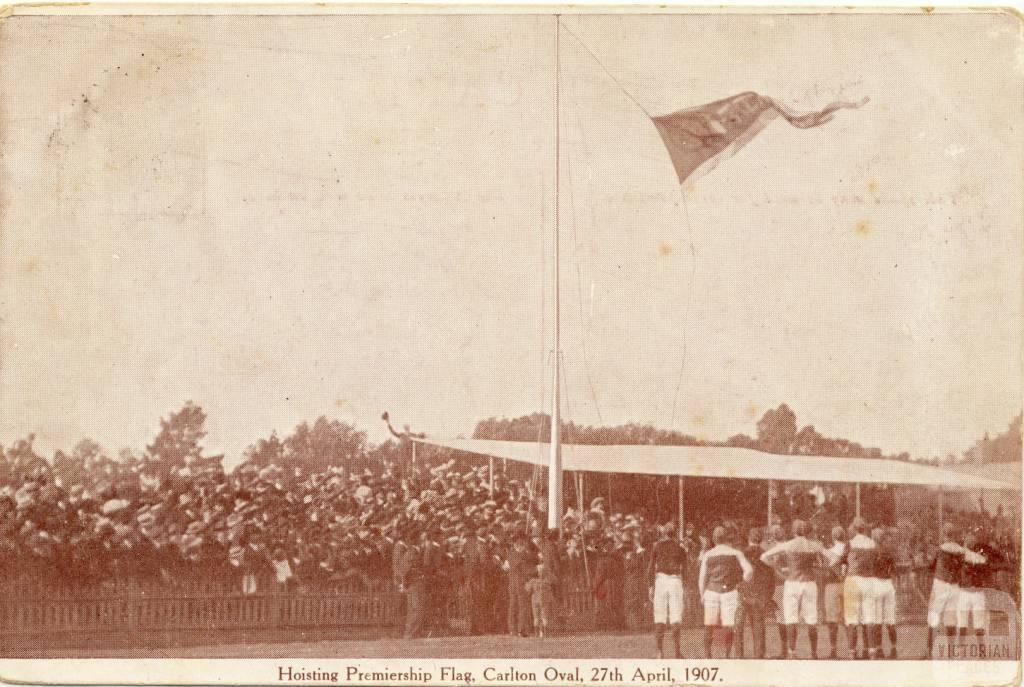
column 325, row 644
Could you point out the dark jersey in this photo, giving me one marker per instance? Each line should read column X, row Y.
column 885, row 565
column 723, row 568
column 762, row 583
column 981, row 575
column 668, row 557
column 949, row 562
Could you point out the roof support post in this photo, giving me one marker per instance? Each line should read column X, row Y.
column 580, row 498
column 682, row 504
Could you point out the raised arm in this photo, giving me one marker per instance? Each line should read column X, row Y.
column 748, row 569
column 768, row 557
column 972, row 557
column 702, row 575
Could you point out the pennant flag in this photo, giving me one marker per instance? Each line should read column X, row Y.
column 697, row 138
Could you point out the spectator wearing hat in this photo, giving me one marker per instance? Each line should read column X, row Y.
column 542, row 599
column 477, row 565
column 520, row 566
column 417, row 563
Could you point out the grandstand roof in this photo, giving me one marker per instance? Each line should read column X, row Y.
column 724, row 461
column 1001, row 472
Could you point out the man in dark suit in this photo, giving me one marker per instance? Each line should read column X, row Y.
column 755, row 598
column 477, row 563
column 520, row 567
column 413, row 572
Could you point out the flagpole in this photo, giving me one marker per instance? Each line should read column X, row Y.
column 555, row 463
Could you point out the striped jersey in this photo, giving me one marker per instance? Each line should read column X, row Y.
column 802, row 556
column 860, row 559
column 722, row 568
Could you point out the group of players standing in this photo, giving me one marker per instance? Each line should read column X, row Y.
column 858, row 574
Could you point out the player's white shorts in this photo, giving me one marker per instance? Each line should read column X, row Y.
column 859, row 605
column 800, row 602
column 885, row 602
column 834, row 602
column 943, row 604
column 971, row 606
column 668, row 599
column 720, row 607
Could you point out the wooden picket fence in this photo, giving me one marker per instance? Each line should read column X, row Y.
column 189, row 606
column 196, row 606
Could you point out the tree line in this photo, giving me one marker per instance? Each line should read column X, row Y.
column 777, row 432
column 328, row 443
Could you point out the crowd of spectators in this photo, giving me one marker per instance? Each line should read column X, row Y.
column 277, row 527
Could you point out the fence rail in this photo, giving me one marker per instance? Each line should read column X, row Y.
column 192, row 606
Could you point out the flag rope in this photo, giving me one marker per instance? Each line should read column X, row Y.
column 689, row 304
column 584, row 324
column 606, row 70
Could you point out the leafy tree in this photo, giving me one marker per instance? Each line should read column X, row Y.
column 742, row 441
column 1005, row 447
column 179, row 442
column 776, row 430
column 808, row 442
column 326, row 443
column 21, row 461
column 265, row 452
column 73, row 468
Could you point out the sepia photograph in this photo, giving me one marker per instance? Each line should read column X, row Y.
column 537, row 346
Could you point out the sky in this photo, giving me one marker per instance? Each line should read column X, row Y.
column 285, row 217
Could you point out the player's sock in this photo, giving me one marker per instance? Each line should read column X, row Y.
column 963, row 632
column 855, row 639
column 833, row 636
column 709, row 639
column 931, row 640
column 812, row 635
column 791, row 638
column 727, row 635
column 676, row 631
column 659, row 636
column 950, row 631
column 892, row 640
column 878, row 639
column 782, row 638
